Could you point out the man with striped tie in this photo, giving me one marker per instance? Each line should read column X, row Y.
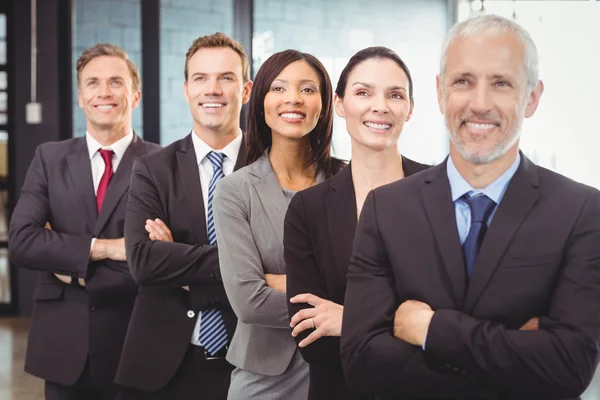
column 182, row 321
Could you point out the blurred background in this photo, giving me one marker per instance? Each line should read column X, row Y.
column 40, row 40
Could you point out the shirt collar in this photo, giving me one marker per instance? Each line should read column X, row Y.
column 495, row 190
column 119, row 147
column 231, row 150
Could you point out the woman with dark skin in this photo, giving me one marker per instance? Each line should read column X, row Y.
column 288, row 140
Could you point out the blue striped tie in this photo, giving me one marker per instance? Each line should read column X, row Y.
column 213, row 336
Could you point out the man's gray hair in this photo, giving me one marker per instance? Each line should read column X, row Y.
column 495, row 24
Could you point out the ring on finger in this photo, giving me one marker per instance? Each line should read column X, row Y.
column 312, row 322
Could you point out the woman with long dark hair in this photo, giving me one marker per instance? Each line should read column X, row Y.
column 288, row 139
column 375, row 97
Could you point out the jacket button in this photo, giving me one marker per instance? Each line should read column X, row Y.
column 191, row 314
column 93, row 308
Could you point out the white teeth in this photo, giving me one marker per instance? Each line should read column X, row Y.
column 292, row 116
column 480, row 126
column 105, row 107
column 212, row 105
column 378, row 126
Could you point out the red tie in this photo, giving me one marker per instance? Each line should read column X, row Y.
column 106, row 177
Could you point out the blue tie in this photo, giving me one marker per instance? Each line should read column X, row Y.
column 481, row 207
column 213, row 336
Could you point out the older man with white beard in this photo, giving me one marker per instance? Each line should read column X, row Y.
column 479, row 278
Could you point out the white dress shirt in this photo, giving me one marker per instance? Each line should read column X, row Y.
column 119, row 147
column 206, row 173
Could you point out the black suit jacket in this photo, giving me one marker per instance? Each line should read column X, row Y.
column 70, row 323
column 540, row 257
column 319, row 229
column 166, row 185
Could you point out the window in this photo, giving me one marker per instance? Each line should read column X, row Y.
column 180, row 25
column 333, row 31
column 106, row 21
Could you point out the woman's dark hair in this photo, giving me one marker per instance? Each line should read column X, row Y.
column 258, row 134
column 366, row 54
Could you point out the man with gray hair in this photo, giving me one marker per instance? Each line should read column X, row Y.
column 479, row 278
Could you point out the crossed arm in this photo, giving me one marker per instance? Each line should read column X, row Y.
column 556, row 360
column 33, row 244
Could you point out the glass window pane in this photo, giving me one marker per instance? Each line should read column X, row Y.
column 180, row 25
column 334, row 33
column 4, row 264
column 2, row 52
column 3, row 97
column 2, row 26
column 3, row 160
column 3, row 118
column 3, row 81
column 106, row 21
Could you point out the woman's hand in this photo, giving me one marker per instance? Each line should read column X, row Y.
column 325, row 318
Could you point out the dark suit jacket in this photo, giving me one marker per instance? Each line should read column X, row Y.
column 70, row 323
column 166, row 185
column 540, row 257
column 319, row 229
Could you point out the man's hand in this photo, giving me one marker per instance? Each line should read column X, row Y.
column 113, row 249
column 276, row 282
column 325, row 318
column 532, row 325
column 186, row 288
column 411, row 322
column 158, row 230
column 67, row 279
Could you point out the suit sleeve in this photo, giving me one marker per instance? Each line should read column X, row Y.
column 252, row 300
column 154, row 262
column 31, row 245
column 374, row 361
column 303, row 276
column 558, row 360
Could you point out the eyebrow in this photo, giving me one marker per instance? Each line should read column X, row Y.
column 493, row 77
column 301, row 81
column 370, row 86
column 95, row 78
column 216, row 73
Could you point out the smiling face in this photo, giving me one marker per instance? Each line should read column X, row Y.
column 484, row 96
column 215, row 89
column 293, row 103
column 376, row 103
column 106, row 94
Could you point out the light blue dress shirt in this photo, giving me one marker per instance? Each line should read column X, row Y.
column 459, row 187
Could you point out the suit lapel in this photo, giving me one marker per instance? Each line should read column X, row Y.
column 270, row 193
column 340, row 207
column 521, row 195
column 437, row 200
column 119, row 184
column 242, row 158
column 190, row 180
column 81, row 172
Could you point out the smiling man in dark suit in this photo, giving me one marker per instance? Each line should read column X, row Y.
column 69, row 225
column 479, row 278
column 182, row 321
